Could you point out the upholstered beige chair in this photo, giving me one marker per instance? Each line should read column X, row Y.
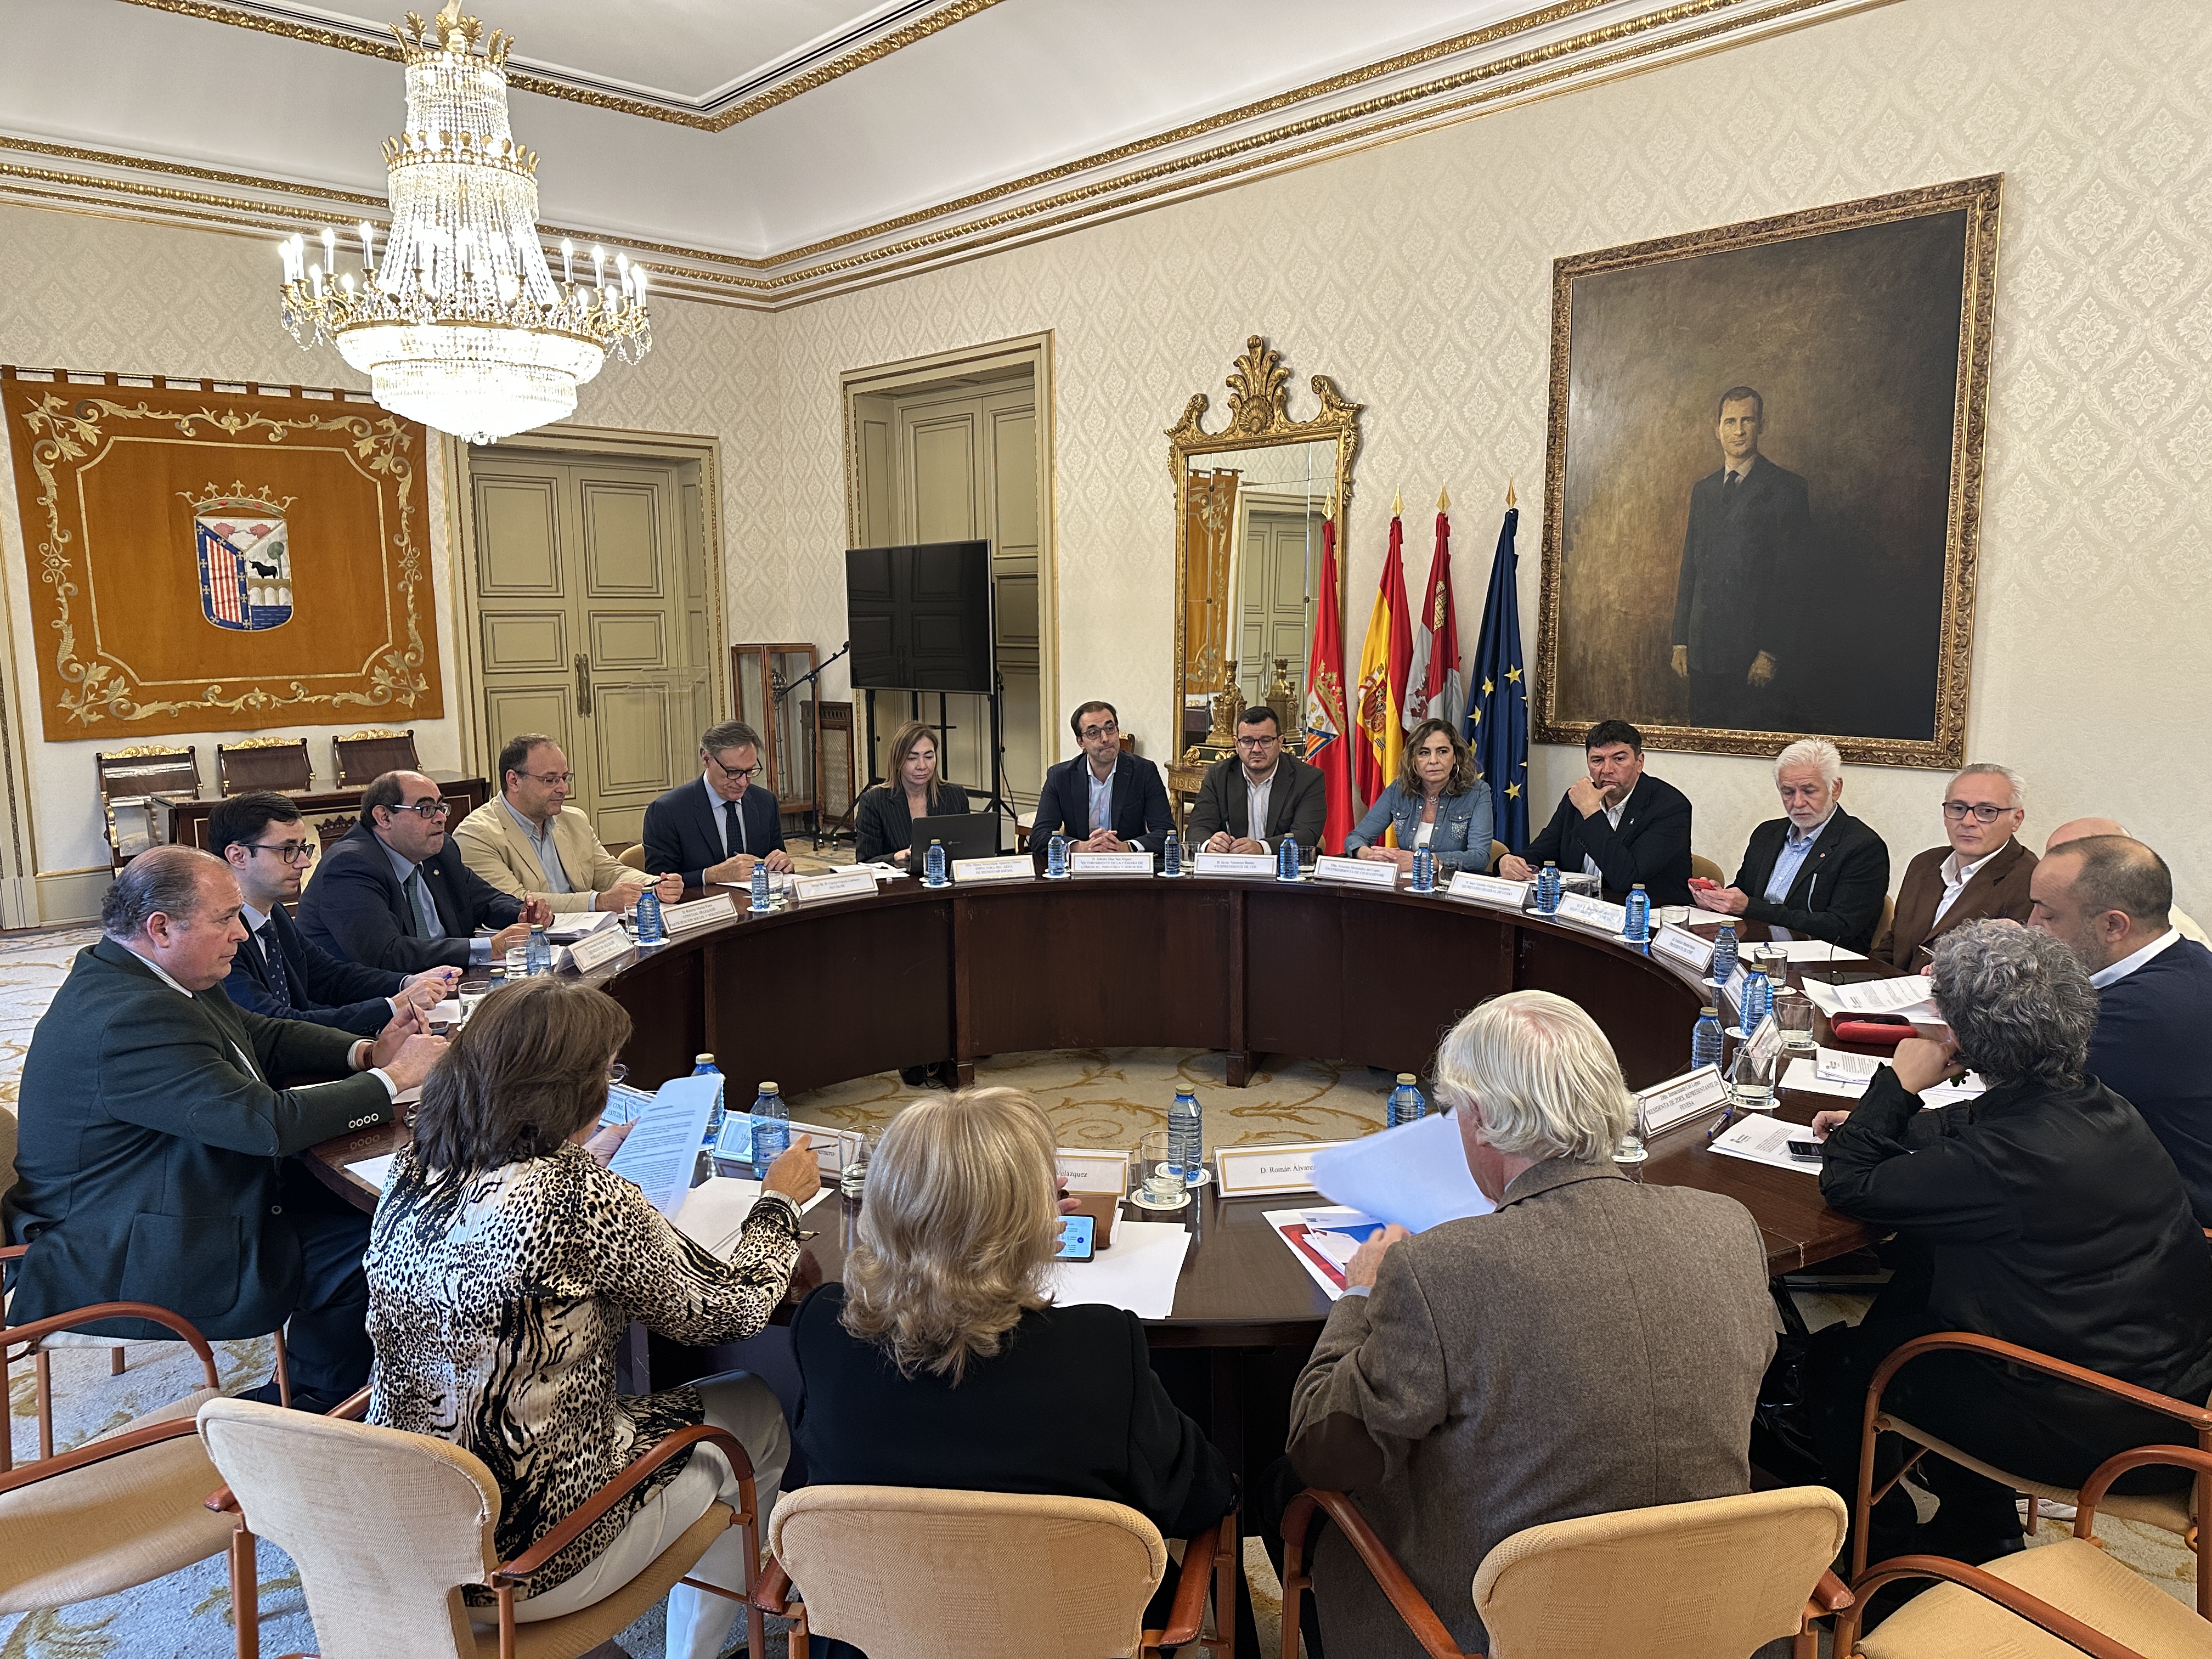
column 925, row 1574
column 632, row 855
column 115, row 1512
column 1679, row 1581
column 1703, row 866
column 1498, row 849
column 387, row 1526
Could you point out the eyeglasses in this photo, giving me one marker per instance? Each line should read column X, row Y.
column 1111, row 729
column 428, row 809
column 550, row 780
column 1259, row 742
column 747, row 773
column 292, row 852
column 1956, row 810
column 617, row 1071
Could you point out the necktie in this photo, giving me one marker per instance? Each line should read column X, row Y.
column 1728, row 488
column 280, row 985
column 733, row 830
column 414, row 896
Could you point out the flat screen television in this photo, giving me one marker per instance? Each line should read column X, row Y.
column 920, row 618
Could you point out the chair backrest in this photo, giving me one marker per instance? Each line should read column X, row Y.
column 1888, row 916
column 969, row 1575
column 131, row 778
column 363, row 757
column 1680, row 1581
column 7, row 1130
column 263, row 763
column 632, row 856
column 1702, row 865
column 384, row 1526
column 1498, row 849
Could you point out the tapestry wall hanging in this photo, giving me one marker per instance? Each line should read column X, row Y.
column 203, row 560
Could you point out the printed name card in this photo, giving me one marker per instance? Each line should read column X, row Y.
column 1681, row 1098
column 1089, row 1171
column 1593, row 913
column 839, row 884
column 1489, row 890
column 1235, row 864
column 833, row 1148
column 1013, row 866
column 1358, row 873
column 683, row 918
column 1681, row 945
column 1110, row 864
column 1250, row 1171
column 596, row 950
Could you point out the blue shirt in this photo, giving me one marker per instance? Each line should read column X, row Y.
column 1796, row 845
column 1101, row 792
column 541, row 842
column 433, row 926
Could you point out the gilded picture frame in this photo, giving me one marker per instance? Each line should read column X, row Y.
column 1763, row 480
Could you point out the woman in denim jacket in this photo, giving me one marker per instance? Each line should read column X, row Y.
column 1439, row 801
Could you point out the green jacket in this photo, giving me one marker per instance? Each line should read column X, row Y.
column 146, row 1168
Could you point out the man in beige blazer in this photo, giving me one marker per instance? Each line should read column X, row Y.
column 528, row 840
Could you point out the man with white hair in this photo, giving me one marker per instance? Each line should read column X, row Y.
column 1816, row 872
column 2075, row 828
column 1473, row 1381
column 1982, row 872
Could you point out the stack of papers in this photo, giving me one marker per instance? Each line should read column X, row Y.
column 1833, row 1072
column 1415, row 1175
column 569, row 926
column 1908, row 995
column 714, row 1213
column 1760, row 1139
column 1324, row 1241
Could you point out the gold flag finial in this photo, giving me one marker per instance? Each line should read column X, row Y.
column 1398, row 504
column 1443, row 498
column 1509, row 502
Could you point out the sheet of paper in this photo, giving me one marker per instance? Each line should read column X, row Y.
column 376, row 1171
column 1815, row 950
column 1907, row 994
column 1805, row 1075
column 1291, row 1227
column 1764, row 1140
column 1415, row 1174
column 1838, row 1065
column 1139, row 1273
column 713, row 1212
column 661, row 1152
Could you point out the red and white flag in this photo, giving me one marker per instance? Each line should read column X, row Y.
column 1433, row 689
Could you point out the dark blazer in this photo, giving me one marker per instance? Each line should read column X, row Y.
column 1297, row 804
column 1743, row 569
column 882, row 825
column 354, row 906
column 683, row 833
column 1999, row 889
column 1140, row 803
column 1838, row 889
column 2149, row 1049
column 147, row 1166
column 1068, row 1407
column 1652, row 845
column 326, row 990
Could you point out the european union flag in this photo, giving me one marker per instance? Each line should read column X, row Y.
column 1498, row 698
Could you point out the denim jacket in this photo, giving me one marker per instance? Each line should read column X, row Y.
column 1460, row 838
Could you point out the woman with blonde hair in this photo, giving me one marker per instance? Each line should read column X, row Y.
column 941, row 1360
column 883, row 819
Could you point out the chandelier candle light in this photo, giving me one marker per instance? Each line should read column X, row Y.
column 460, row 325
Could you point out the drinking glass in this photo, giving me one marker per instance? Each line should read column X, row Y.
column 852, row 1181
column 1163, row 1180
column 1630, row 1148
column 1793, row 1013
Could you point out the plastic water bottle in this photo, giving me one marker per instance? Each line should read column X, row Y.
column 1287, row 859
column 651, row 929
column 1406, row 1105
column 1055, row 858
column 760, row 903
column 538, row 955
column 1171, row 855
column 771, row 1128
column 1187, row 1136
column 704, row 1066
column 1548, row 889
column 1758, row 999
column 1638, row 929
column 1425, row 871
column 1724, row 953
column 1706, row 1038
column 932, row 865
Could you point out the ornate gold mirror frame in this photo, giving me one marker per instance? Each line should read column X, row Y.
column 1258, row 417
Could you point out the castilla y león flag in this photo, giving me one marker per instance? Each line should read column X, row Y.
column 1326, row 747
column 1432, row 683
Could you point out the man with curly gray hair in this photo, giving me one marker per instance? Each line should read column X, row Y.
column 2042, row 1213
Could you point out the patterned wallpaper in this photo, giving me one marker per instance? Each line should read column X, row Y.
column 1418, row 275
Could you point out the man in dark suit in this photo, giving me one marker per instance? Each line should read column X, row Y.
column 1619, row 824
column 1737, row 599
column 1105, row 800
column 1816, row 872
column 394, row 893
column 1985, row 871
column 154, row 1163
column 715, row 828
column 2110, row 899
column 1250, row 801
column 278, row 972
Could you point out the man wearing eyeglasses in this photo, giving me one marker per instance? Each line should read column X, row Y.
column 278, row 972
column 395, row 894
column 530, row 843
column 1986, row 871
column 715, row 830
column 1105, row 800
column 1249, row 802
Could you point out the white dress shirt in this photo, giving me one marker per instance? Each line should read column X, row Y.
column 2114, row 972
column 1255, row 803
column 1612, row 817
column 1957, row 875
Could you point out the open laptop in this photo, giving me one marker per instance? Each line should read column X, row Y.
column 965, row 835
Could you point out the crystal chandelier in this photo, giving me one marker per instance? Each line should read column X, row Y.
column 460, row 325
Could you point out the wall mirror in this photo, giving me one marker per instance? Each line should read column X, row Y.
column 1250, row 503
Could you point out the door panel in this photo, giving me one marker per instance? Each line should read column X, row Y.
column 519, row 534
column 525, row 640
column 550, row 709
column 631, row 721
column 629, row 639
column 622, row 537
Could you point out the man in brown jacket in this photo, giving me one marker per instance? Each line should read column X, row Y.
column 1595, row 1345
column 1982, row 872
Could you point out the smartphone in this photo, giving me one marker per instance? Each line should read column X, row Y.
column 1076, row 1239
column 1805, row 1152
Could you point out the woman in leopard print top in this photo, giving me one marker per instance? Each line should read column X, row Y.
column 504, row 1264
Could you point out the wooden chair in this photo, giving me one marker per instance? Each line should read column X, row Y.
column 279, row 763
column 119, row 1510
column 928, row 1574
column 362, row 757
column 387, row 1526
column 2084, row 1600
column 1678, row 1581
column 1701, row 865
column 133, row 779
column 2171, row 1511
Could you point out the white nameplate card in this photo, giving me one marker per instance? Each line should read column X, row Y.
column 1091, row 1171
column 1678, row 1099
column 1011, row 866
column 1357, row 872
column 596, row 950
column 1681, row 945
column 1250, row 1171
column 1489, row 890
column 1235, row 864
column 839, row 884
column 683, row 918
column 1110, row 864
column 833, row 1148
column 1765, row 1043
column 1593, row 913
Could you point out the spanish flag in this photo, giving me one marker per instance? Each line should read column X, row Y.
column 1384, row 658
